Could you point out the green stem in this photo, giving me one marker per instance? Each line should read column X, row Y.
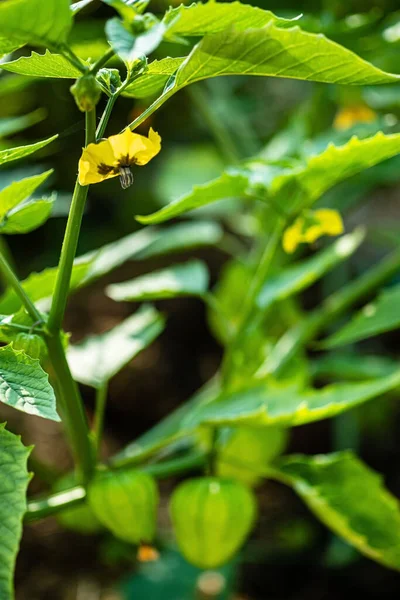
column 90, row 129
column 68, row 53
column 250, row 308
column 38, row 509
column 101, row 400
column 14, row 282
column 68, row 252
column 151, row 109
column 101, row 61
column 71, row 408
column 105, row 116
column 216, row 125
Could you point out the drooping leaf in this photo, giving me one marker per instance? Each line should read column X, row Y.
column 154, row 78
column 199, row 19
column 188, row 279
column 25, row 386
column 19, row 191
column 298, row 186
column 375, row 318
column 98, row 358
column 22, row 151
column 42, row 65
column 14, row 479
column 130, row 47
column 350, row 499
column 235, row 181
column 140, row 245
column 36, row 21
column 294, row 279
column 288, row 406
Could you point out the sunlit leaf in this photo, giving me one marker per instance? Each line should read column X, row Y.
column 296, row 187
column 22, row 151
column 14, row 479
column 188, row 279
column 277, row 52
column 25, row 386
column 42, row 65
column 199, row 19
column 375, row 318
column 140, row 245
column 99, row 357
column 288, row 406
column 350, row 499
column 154, row 78
column 35, row 21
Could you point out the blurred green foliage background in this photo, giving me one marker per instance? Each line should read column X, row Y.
column 289, row 556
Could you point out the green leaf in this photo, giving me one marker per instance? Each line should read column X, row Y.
column 14, row 480
column 22, row 151
column 28, row 216
column 350, row 499
column 294, row 279
column 233, row 182
column 199, row 19
column 277, row 52
column 42, row 65
column 18, row 216
column 19, row 191
column 35, row 21
column 154, row 78
column 98, row 358
column 296, row 187
column 287, row 406
column 128, row 9
column 188, row 279
column 25, row 386
column 375, row 318
column 78, row 6
column 352, row 366
column 303, row 185
column 130, row 47
column 140, row 245
column 7, row 46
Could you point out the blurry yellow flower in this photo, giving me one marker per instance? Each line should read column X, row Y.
column 351, row 115
column 311, row 226
column 115, row 156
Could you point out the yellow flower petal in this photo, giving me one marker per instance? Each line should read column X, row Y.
column 351, row 115
column 308, row 229
column 292, row 236
column 94, row 156
column 149, row 148
column 121, row 143
column 330, row 221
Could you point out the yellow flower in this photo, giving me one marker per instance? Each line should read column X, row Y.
column 115, row 156
column 351, row 115
column 311, row 226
